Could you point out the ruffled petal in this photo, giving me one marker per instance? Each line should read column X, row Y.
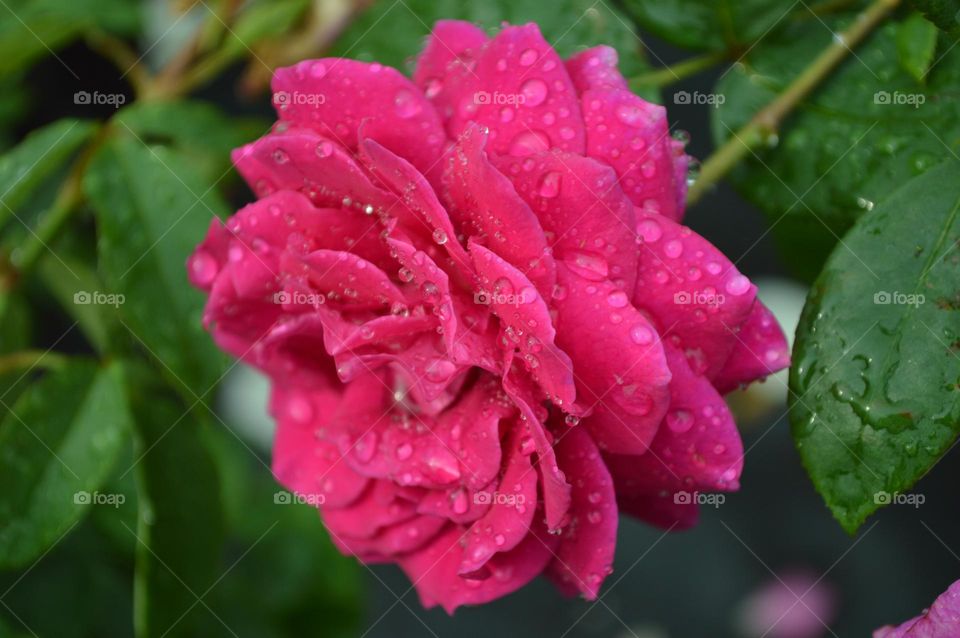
column 585, row 554
column 589, row 222
column 303, row 464
column 596, row 68
column 335, row 96
column 449, row 56
column 527, row 324
column 487, row 207
column 434, row 570
column 632, row 135
column 556, row 490
column 405, row 182
column 507, row 521
column 942, row 620
column 621, row 370
column 697, row 447
column 660, row 510
column 761, row 349
column 520, row 90
column 696, row 297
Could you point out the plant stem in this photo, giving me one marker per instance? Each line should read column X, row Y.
column 26, row 359
column 767, row 121
column 670, row 74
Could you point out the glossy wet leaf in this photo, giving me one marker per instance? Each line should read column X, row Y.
column 714, row 24
column 292, row 574
column 875, row 380
column 202, row 134
column 181, row 529
column 943, row 13
column 58, row 443
column 151, row 209
column 916, row 45
column 28, row 165
column 868, row 129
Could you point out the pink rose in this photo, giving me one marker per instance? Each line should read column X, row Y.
column 487, row 330
column 942, row 620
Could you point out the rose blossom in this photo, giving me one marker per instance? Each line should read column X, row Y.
column 487, row 331
column 942, row 620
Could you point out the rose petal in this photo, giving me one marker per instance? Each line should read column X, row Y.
column 527, row 324
column 512, row 504
column 447, row 59
column 484, row 203
column 596, row 68
column 696, row 297
column 434, row 570
column 657, row 509
column 761, row 349
column 697, row 447
column 303, row 464
column 405, row 182
column 621, row 370
column 336, row 96
column 585, row 554
column 589, row 222
column 942, row 620
column 521, row 92
column 632, row 135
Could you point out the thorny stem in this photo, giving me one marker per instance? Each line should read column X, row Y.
column 768, row 120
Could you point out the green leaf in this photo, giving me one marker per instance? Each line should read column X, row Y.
column 392, row 32
column 57, row 445
column 713, row 24
column 202, row 135
column 151, row 212
column 916, row 44
column 876, row 376
column 180, row 527
column 943, row 13
column 68, row 273
column 265, row 19
column 28, row 165
column 32, row 29
column 866, row 130
column 292, row 573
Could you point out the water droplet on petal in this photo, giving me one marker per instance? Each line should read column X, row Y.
column 528, row 57
column 406, row 104
column 534, row 92
column 679, row 421
column 550, row 184
column 529, row 143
